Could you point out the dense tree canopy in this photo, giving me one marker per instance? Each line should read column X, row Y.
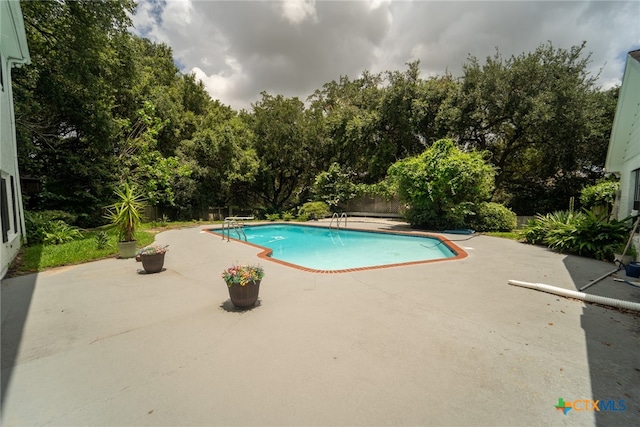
column 222, row 158
column 99, row 105
column 65, row 101
column 285, row 151
column 541, row 118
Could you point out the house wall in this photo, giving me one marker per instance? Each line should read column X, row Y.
column 623, row 157
column 13, row 51
column 631, row 160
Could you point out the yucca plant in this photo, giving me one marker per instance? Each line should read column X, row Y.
column 126, row 214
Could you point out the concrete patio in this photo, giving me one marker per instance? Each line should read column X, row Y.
column 444, row 343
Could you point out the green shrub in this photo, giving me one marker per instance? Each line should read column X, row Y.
column 53, row 215
column 273, row 217
column 302, row 218
column 537, row 229
column 335, row 186
column 494, row 217
column 60, row 232
column 386, row 189
column 442, row 185
column 288, row 216
column 38, row 224
column 314, row 210
column 583, row 233
column 600, row 194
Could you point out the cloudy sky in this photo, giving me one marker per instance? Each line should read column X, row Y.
column 240, row 48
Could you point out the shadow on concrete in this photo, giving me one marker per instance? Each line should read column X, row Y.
column 145, row 273
column 15, row 299
column 229, row 307
column 612, row 338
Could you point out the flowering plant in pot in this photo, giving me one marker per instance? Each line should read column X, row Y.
column 243, row 282
column 152, row 257
column 153, row 250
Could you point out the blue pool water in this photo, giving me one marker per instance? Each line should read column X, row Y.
column 320, row 248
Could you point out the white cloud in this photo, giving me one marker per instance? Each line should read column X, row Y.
column 226, row 84
column 297, row 11
column 374, row 4
column 241, row 48
column 177, row 14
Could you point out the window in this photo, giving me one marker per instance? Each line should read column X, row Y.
column 4, row 201
column 636, row 189
column 13, row 204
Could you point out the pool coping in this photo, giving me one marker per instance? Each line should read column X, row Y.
column 266, row 252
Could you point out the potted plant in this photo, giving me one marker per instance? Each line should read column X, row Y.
column 125, row 216
column 243, row 282
column 152, row 257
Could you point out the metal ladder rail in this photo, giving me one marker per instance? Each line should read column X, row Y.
column 228, row 224
column 344, row 215
column 225, row 226
column 240, row 229
column 337, row 218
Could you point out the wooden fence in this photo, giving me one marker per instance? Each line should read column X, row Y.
column 376, row 207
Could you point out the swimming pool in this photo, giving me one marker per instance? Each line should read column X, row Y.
column 322, row 249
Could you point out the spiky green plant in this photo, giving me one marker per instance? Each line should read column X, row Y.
column 102, row 240
column 126, row 214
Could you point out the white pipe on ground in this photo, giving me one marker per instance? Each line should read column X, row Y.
column 628, row 305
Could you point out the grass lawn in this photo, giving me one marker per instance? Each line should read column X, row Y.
column 513, row 235
column 33, row 259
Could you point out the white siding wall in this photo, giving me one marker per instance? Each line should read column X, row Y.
column 9, row 174
column 12, row 50
column 623, row 156
column 627, row 186
column 631, row 160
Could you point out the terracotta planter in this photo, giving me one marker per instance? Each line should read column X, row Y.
column 128, row 249
column 152, row 263
column 244, row 296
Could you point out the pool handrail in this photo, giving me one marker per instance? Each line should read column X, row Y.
column 228, row 224
column 338, row 218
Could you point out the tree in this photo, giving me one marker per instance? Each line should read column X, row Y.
column 539, row 115
column 399, row 137
column 142, row 163
column 99, row 103
column 223, row 160
column 375, row 120
column 349, row 110
column 65, row 101
column 443, row 185
column 284, row 149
